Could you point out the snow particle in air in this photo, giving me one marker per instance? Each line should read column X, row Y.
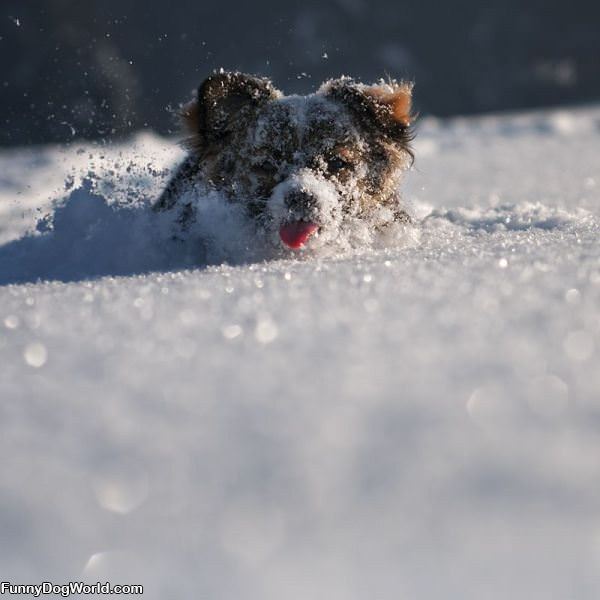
column 489, row 405
column 230, row 332
column 120, row 494
column 35, row 355
column 368, row 278
column 502, row 263
column 121, row 491
column 11, row 322
column 573, row 296
column 287, row 276
column 102, row 566
column 579, row 345
column 266, row 331
column 95, row 563
column 563, row 123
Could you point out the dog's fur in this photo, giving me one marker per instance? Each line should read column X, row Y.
column 335, row 154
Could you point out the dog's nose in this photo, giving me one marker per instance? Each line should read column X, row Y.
column 300, row 201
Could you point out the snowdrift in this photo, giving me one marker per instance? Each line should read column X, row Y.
column 411, row 419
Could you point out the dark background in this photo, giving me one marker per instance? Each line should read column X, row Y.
column 102, row 68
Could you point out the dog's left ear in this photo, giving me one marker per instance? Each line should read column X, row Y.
column 386, row 106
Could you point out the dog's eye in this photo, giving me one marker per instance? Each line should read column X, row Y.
column 337, row 163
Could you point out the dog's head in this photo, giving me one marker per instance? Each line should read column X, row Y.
column 303, row 164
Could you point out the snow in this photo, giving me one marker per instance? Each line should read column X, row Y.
column 412, row 421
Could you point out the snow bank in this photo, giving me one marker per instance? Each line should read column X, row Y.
column 103, row 224
column 413, row 421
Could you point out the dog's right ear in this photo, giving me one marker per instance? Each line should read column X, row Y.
column 222, row 100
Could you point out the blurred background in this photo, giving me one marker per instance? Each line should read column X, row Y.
column 102, row 69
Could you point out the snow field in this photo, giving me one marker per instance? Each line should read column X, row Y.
column 416, row 420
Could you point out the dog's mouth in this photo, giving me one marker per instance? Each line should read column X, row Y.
column 295, row 234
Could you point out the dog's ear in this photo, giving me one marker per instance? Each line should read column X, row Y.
column 385, row 106
column 222, row 99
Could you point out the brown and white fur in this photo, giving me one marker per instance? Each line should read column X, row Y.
column 300, row 165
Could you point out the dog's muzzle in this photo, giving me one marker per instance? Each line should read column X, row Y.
column 302, row 206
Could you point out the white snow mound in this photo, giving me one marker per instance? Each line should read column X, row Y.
column 414, row 418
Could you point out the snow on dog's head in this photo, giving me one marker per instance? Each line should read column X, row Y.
column 306, row 167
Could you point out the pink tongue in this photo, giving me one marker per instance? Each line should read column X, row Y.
column 294, row 235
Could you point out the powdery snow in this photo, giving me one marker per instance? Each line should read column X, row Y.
column 412, row 418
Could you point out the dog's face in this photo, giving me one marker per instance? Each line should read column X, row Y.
column 302, row 164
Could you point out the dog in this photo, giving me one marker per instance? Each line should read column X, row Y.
column 301, row 166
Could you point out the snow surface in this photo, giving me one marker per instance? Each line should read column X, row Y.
column 413, row 421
